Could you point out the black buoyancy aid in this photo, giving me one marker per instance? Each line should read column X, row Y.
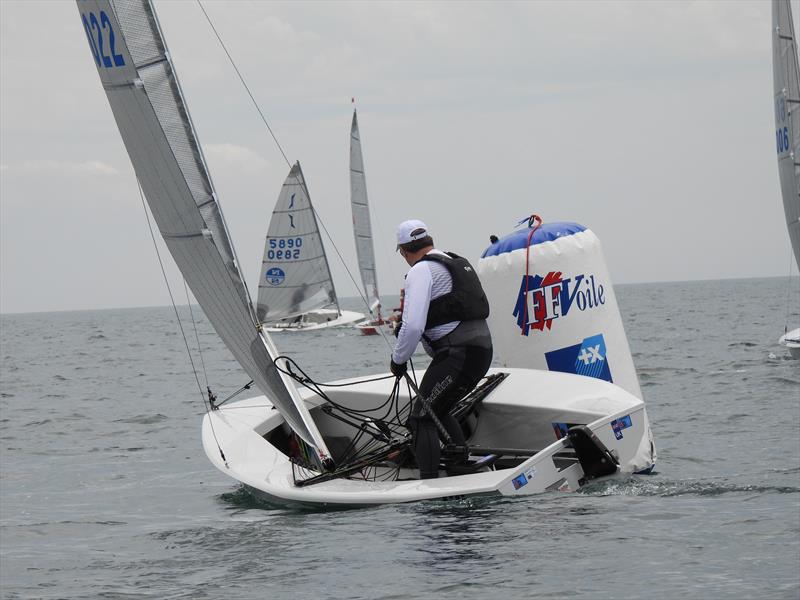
column 466, row 301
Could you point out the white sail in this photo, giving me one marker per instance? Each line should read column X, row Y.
column 148, row 105
column 786, row 80
column 295, row 276
column 361, row 222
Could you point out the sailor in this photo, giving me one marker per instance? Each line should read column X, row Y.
column 445, row 308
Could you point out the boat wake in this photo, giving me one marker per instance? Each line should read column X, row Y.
column 645, row 486
column 241, row 498
column 652, row 486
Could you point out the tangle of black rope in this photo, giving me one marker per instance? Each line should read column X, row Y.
column 316, row 386
column 354, row 456
column 384, row 410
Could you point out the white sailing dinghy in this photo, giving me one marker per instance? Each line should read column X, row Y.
column 786, row 89
column 529, row 431
column 295, row 289
column 362, row 231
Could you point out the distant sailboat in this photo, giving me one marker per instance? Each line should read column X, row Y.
column 362, row 230
column 786, row 89
column 295, row 288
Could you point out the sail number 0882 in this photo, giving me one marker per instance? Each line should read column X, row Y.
column 284, row 248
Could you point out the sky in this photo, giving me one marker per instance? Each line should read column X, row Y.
column 649, row 122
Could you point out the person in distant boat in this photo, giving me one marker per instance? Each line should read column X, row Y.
column 493, row 239
column 445, row 308
column 297, row 298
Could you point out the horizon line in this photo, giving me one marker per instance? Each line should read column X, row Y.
column 66, row 310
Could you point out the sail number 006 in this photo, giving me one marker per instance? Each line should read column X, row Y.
column 782, row 139
column 95, row 28
column 284, row 248
column 781, row 133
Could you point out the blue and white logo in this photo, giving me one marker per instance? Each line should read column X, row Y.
column 523, row 478
column 519, row 481
column 617, row 425
column 542, row 300
column 275, row 276
column 587, row 358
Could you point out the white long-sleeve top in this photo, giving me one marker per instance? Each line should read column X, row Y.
column 426, row 281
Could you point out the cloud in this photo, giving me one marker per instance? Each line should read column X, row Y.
column 238, row 157
column 58, row 167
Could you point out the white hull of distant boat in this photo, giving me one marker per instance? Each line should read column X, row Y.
column 323, row 318
column 792, row 342
column 521, row 412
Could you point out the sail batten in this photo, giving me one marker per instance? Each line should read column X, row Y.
column 295, row 277
column 151, row 114
column 362, row 228
column 786, row 81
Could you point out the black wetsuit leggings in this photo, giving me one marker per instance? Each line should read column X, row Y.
column 453, row 373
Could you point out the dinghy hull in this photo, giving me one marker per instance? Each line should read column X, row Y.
column 315, row 320
column 529, row 408
column 791, row 341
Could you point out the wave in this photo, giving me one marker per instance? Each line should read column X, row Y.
column 648, row 486
column 144, row 419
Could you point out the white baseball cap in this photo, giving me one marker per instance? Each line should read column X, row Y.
column 411, row 230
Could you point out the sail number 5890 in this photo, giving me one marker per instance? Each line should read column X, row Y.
column 284, row 248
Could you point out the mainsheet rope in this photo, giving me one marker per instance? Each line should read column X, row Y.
column 411, row 384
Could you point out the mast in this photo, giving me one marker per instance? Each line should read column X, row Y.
column 786, row 88
column 362, row 228
column 139, row 79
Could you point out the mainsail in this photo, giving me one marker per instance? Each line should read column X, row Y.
column 786, row 82
column 142, row 88
column 361, row 223
column 295, row 276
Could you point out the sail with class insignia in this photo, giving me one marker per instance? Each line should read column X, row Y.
column 786, row 88
column 295, row 275
column 139, row 79
column 361, row 221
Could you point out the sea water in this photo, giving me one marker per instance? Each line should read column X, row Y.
column 105, row 491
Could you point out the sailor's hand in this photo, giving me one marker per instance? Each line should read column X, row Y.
column 397, row 327
column 397, row 370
